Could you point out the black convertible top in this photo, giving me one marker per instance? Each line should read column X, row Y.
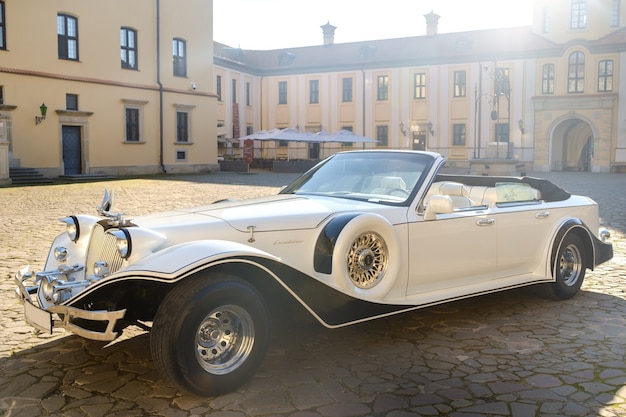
column 549, row 191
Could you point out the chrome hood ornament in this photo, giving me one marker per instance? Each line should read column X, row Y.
column 104, row 209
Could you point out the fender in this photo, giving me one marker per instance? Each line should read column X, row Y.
column 176, row 262
column 323, row 257
column 565, row 228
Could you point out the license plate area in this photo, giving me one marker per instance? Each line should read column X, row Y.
column 38, row 318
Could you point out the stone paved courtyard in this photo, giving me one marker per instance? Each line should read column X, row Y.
column 506, row 354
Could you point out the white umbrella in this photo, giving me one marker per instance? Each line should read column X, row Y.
column 345, row 136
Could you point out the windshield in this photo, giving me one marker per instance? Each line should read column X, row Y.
column 385, row 177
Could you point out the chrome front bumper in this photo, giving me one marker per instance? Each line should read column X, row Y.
column 61, row 316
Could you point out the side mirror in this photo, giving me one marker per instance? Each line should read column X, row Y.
column 438, row 204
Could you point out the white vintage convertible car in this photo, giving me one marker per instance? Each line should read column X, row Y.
column 362, row 235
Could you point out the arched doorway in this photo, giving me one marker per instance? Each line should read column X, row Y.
column 572, row 146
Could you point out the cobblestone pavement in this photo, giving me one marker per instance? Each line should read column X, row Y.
column 506, row 354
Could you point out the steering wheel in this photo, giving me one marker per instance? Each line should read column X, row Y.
column 398, row 192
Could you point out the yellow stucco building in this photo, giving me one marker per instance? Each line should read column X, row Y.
column 141, row 87
column 543, row 97
column 126, row 87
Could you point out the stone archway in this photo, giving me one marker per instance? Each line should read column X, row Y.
column 572, row 146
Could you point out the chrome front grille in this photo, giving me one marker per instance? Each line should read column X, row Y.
column 102, row 248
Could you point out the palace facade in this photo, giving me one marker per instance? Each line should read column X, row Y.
column 89, row 90
column 544, row 97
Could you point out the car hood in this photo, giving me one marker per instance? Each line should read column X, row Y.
column 280, row 212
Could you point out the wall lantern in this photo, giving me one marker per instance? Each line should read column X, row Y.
column 44, row 109
column 402, row 129
column 520, row 123
column 430, row 129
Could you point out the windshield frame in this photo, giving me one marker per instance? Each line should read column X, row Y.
column 363, row 176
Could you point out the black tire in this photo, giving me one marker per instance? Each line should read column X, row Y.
column 568, row 269
column 210, row 336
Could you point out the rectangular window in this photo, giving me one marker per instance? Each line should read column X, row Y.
column 248, row 99
column 459, row 84
column 547, row 79
column 605, row 76
column 579, row 14
column 67, row 36
column 576, row 73
column 347, row 144
column 502, row 84
column 502, row 132
column 3, row 33
column 314, row 91
column 382, row 92
column 419, row 85
column 182, row 126
column 382, row 135
column 234, row 92
column 282, row 92
column 1, row 94
column 218, row 87
column 179, row 57
column 132, row 125
column 458, row 130
column 128, row 48
column 546, row 20
column 346, row 90
column 615, row 13
column 71, row 102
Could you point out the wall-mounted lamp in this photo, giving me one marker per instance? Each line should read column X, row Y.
column 402, row 129
column 43, row 109
column 430, row 129
column 520, row 123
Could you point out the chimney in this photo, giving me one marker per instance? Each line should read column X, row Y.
column 329, row 33
column 431, row 23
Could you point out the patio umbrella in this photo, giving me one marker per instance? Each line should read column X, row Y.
column 345, row 136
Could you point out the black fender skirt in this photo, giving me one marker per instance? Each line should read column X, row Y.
column 332, row 307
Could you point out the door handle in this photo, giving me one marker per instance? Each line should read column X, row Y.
column 542, row 214
column 485, row 222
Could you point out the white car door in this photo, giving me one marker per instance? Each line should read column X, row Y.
column 454, row 254
column 524, row 231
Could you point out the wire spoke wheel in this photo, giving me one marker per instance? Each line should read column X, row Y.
column 367, row 260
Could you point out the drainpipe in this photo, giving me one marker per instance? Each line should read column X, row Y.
column 158, row 68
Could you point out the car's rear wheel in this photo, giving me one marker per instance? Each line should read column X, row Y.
column 209, row 337
column 568, row 269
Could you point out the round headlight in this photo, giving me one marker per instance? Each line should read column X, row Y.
column 71, row 227
column 122, row 242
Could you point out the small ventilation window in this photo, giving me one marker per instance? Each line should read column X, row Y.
column 181, row 156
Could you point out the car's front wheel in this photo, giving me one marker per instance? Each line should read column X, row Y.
column 209, row 337
column 568, row 269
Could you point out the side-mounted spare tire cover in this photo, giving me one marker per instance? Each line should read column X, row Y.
column 366, row 257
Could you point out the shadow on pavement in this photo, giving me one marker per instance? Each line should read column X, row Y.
column 487, row 355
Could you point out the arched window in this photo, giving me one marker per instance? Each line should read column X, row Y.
column 605, row 76
column 576, row 73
